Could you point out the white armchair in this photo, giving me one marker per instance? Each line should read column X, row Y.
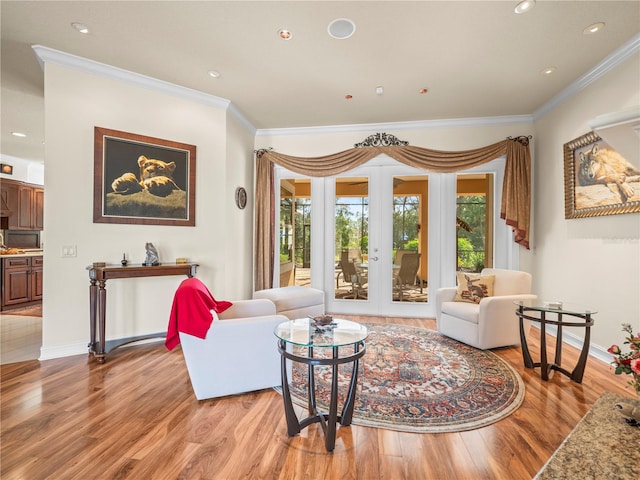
column 491, row 323
column 239, row 353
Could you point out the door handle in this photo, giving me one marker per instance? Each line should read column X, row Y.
column 375, row 259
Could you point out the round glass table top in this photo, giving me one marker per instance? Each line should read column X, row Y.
column 556, row 307
column 338, row 333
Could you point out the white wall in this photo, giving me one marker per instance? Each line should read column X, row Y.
column 593, row 261
column 76, row 102
column 239, row 222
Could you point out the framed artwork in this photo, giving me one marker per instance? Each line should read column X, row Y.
column 143, row 180
column 598, row 180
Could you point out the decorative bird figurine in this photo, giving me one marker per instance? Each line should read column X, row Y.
column 630, row 411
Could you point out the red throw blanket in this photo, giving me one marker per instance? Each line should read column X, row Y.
column 191, row 311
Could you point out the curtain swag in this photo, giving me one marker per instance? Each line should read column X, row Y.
column 516, row 187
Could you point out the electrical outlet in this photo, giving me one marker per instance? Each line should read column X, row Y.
column 69, row 251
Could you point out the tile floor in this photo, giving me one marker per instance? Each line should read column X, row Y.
column 20, row 338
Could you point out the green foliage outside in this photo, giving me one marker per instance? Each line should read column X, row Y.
column 352, row 225
column 471, row 244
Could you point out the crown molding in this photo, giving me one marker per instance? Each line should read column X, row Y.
column 415, row 125
column 46, row 54
column 620, row 55
column 237, row 114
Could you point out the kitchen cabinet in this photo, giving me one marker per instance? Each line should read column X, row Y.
column 21, row 281
column 26, row 202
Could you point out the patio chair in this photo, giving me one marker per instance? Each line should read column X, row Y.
column 406, row 275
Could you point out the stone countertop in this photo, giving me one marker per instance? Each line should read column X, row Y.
column 28, row 253
column 602, row 445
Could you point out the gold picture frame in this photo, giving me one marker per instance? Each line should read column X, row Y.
column 598, row 180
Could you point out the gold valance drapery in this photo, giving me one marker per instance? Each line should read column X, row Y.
column 516, row 188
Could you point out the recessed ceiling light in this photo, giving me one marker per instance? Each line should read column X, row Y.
column 341, row 28
column 524, row 6
column 19, row 134
column 548, row 70
column 81, row 27
column 213, row 73
column 348, row 97
column 594, row 28
column 423, row 91
column 285, row 34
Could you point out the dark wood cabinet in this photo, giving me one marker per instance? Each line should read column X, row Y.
column 26, row 202
column 11, row 199
column 21, row 281
column 38, row 208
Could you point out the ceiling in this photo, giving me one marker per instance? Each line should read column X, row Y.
column 476, row 58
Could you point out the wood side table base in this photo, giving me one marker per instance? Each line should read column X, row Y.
column 545, row 366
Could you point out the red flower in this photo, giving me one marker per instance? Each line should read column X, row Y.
column 635, row 365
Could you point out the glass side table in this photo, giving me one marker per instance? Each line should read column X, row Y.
column 537, row 312
column 302, row 333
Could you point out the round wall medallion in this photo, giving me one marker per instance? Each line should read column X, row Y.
column 241, row 197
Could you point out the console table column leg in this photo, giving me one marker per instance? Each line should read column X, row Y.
column 330, row 438
column 578, row 372
column 293, row 426
column 101, row 354
column 544, row 368
column 93, row 294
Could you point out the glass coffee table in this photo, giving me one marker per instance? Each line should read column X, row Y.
column 303, row 333
column 538, row 312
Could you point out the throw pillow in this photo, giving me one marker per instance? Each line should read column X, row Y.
column 473, row 288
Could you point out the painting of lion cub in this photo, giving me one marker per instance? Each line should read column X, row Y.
column 156, row 177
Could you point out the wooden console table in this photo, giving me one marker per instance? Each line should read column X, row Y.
column 98, row 276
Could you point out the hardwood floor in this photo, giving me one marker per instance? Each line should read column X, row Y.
column 136, row 417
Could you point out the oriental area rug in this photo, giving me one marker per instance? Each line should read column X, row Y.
column 412, row 379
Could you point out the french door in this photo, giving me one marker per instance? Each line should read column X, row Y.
column 384, row 237
column 377, row 217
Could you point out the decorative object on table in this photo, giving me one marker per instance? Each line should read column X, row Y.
column 553, row 304
column 124, row 261
column 598, row 180
column 143, row 180
column 321, row 320
column 415, row 380
column 99, row 264
column 181, row 260
column 630, row 411
column 241, row 197
column 151, row 258
column 629, row 362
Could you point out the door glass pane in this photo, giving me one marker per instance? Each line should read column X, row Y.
column 410, row 236
column 295, row 232
column 351, row 238
column 474, row 222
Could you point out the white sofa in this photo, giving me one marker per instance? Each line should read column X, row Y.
column 239, row 353
column 295, row 301
column 491, row 323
